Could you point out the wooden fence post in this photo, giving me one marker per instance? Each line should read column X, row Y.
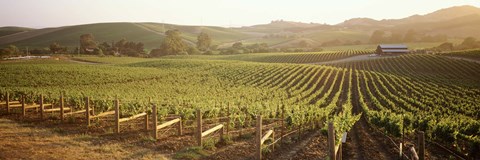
column 273, row 140
column 228, row 119
column 154, row 118
column 41, row 106
column 339, row 153
column 199, row 128
column 117, row 116
column 258, row 138
column 222, row 134
column 146, row 122
column 331, row 141
column 61, row 108
column 283, row 124
column 180, row 127
column 7, row 99
column 421, row 145
column 23, row 105
column 87, row 112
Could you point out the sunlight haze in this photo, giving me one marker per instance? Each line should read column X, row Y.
column 227, row 13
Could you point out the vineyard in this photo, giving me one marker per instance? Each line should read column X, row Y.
column 398, row 95
column 283, row 57
column 470, row 54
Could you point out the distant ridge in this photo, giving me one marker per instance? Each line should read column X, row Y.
column 454, row 22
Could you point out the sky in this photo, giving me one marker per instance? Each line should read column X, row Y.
column 225, row 13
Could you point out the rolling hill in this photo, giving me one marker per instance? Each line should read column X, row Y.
column 151, row 34
column 4, row 31
column 455, row 22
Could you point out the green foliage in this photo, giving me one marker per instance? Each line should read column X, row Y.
column 87, row 43
column 203, row 41
column 172, row 44
column 344, row 121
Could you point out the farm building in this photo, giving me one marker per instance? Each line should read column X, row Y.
column 392, row 48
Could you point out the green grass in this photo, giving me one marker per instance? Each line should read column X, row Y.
column 103, row 32
column 12, row 30
column 151, row 34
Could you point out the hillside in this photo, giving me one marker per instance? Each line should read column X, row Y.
column 12, row 30
column 455, row 22
column 151, row 34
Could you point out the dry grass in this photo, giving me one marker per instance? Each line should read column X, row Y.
column 25, row 141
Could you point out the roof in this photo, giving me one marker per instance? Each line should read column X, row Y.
column 395, row 50
column 393, row 46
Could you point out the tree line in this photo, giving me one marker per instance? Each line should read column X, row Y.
column 380, row 36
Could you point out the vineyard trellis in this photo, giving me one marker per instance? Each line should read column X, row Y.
column 409, row 92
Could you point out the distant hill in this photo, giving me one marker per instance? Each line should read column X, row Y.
column 12, row 30
column 455, row 22
column 151, row 34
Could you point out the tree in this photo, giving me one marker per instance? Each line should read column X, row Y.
column 396, row 38
column 377, row 36
column 237, row 45
column 447, row 46
column 193, row 51
column 9, row 50
column 469, row 41
column 303, row 44
column 56, row 48
column 172, row 44
column 87, row 43
column 203, row 41
column 410, row 36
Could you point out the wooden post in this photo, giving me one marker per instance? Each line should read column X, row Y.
column 300, row 126
column 61, row 108
column 339, row 153
column 258, row 138
column 154, row 118
column 421, row 145
column 180, row 128
column 331, row 141
column 273, row 140
column 23, row 105
column 117, row 116
column 41, row 107
column 146, row 122
column 283, row 124
column 92, row 111
column 228, row 119
column 222, row 134
column 199, row 128
column 7, row 99
column 87, row 112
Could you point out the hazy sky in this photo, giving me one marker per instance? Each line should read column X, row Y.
column 51, row 13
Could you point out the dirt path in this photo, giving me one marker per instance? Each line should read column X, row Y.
column 298, row 147
column 27, row 141
column 362, row 141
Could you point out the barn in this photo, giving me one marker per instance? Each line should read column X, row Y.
column 392, row 48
